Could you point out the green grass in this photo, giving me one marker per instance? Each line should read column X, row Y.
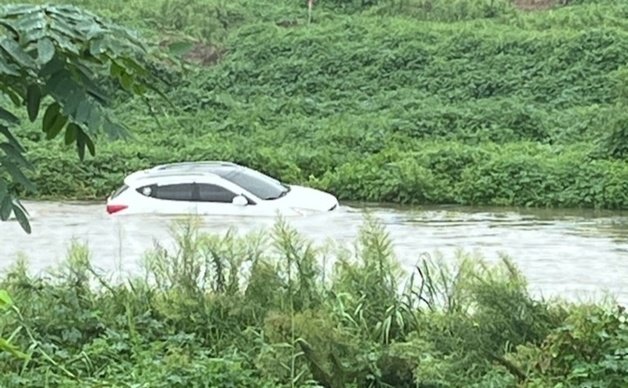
column 270, row 309
column 409, row 101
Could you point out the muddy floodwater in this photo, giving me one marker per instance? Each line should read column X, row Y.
column 577, row 255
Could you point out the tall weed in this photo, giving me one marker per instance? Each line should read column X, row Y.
column 261, row 310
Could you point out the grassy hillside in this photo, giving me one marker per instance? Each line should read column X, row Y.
column 409, row 101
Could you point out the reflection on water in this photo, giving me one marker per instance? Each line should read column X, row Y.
column 567, row 253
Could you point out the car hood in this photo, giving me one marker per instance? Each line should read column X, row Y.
column 306, row 198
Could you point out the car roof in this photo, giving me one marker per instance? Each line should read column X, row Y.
column 184, row 169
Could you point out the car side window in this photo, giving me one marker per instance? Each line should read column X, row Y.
column 176, row 192
column 214, row 193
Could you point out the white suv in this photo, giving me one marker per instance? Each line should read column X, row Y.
column 214, row 187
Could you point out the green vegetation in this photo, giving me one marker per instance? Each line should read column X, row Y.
column 272, row 309
column 411, row 101
column 56, row 56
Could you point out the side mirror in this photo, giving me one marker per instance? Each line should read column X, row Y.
column 240, row 200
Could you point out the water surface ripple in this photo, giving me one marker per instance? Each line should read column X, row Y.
column 573, row 254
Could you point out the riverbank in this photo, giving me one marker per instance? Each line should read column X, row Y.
column 294, row 322
column 458, row 104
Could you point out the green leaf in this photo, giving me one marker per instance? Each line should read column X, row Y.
column 5, row 300
column 65, row 35
column 71, row 131
column 60, row 81
column 133, row 66
column 8, row 68
column 90, row 145
column 126, row 80
column 6, row 206
column 16, row 99
column 116, row 70
column 139, row 89
column 63, row 42
column 20, row 216
column 7, row 347
column 8, row 117
column 53, row 120
column 96, row 46
column 17, row 174
column 17, row 9
column 95, row 119
column 12, row 152
column 80, row 144
column 114, row 130
column 45, row 51
column 15, row 51
column 72, row 100
column 93, row 89
column 65, row 22
column 50, row 69
column 93, row 30
column 32, row 26
column 5, row 131
column 83, row 111
column 67, row 95
column 33, row 100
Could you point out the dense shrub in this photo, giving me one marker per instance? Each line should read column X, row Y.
column 516, row 109
column 265, row 310
column 520, row 174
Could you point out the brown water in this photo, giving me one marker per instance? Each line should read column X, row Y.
column 572, row 254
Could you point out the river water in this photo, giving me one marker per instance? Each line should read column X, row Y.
column 577, row 255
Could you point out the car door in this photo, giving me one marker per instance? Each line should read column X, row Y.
column 212, row 198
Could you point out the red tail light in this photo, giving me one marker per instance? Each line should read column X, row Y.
column 115, row 208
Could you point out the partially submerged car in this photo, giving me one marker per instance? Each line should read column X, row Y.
column 214, row 188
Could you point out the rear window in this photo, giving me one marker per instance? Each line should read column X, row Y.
column 178, row 192
column 121, row 190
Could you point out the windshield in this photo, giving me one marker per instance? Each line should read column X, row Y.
column 257, row 183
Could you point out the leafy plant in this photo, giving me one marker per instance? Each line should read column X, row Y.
column 53, row 59
column 370, row 105
column 5, row 304
column 288, row 321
